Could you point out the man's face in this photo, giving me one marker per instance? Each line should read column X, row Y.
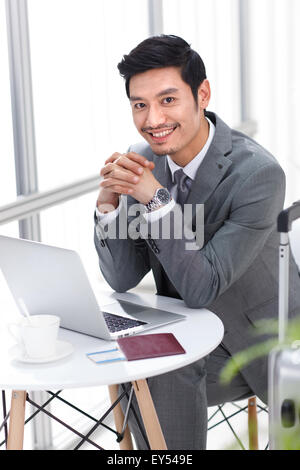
column 165, row 112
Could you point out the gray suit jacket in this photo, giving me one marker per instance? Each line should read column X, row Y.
column 235, row 274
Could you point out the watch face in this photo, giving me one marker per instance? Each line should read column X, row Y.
column 163, row 196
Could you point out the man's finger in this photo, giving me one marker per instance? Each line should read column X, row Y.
column 140, row 159
column 115, row 157
column 126, row 163
column 122, row 161
column 130, row 168
column 117, row 172
column 108, row 168
column 136, row 157
column 117, row 186
column 134, row 162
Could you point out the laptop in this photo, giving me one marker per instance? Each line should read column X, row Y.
column 53, row 281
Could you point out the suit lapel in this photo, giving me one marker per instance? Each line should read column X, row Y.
column 210, row 173
column 214, row 165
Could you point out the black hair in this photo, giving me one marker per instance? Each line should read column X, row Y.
column 164, row 51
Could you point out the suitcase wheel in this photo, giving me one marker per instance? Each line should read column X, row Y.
column 288, row 413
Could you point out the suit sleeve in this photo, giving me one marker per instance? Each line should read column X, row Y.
column 202, row 275
column 123, row 261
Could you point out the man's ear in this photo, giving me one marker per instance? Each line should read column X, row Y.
column 204, row 94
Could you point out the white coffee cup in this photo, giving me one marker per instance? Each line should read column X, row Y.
column 38, row 336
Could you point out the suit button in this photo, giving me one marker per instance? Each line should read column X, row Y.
column 155, row 248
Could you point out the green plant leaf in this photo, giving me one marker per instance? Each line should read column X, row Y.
column 263, row 327
column 266, row 327
column 243, row 358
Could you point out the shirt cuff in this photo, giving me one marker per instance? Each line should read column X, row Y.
column 106, row 218
column 159, row 213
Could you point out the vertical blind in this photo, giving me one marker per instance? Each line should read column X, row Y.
column 275, row 77
column 212, row 28
column 7, row 169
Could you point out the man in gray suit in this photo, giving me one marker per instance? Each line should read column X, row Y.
column 192, row 157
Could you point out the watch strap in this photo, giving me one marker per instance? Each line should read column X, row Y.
column 155, row 202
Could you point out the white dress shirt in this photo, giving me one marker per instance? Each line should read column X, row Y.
column 190, row 170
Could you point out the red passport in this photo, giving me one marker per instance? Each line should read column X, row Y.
column 147, row 346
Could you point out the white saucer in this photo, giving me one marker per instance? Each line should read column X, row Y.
column 63, row 349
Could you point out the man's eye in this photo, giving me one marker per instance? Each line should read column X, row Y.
column 168, row 100
column 139, row 105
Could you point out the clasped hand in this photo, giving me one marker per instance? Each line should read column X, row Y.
column 128, row 173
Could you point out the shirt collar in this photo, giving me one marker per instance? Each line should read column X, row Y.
column 192, row 167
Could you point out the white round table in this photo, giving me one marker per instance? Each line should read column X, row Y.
column 199, row 334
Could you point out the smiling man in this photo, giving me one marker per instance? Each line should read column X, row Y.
column 191, row 157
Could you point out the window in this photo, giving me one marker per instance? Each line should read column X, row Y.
column 212, row 29
column 70, row 225
column 81, row 111
column 7, row 166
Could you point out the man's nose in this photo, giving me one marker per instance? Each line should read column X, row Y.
column 155, row 117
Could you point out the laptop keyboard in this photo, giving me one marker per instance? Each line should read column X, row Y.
column 117, row 323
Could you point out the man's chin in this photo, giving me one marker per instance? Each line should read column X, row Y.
column 162, row 152
column 159, row 154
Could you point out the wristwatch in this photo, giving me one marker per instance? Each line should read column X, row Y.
column 160, row 198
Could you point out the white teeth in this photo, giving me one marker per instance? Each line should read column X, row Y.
column 162, row 134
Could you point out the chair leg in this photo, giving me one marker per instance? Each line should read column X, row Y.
column 252, row 424
column 16, row 420
column 126, row 443
column 152, row 426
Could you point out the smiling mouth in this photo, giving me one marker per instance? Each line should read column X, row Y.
column 161, row 136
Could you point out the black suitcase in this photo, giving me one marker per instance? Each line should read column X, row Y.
column 284, row 362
